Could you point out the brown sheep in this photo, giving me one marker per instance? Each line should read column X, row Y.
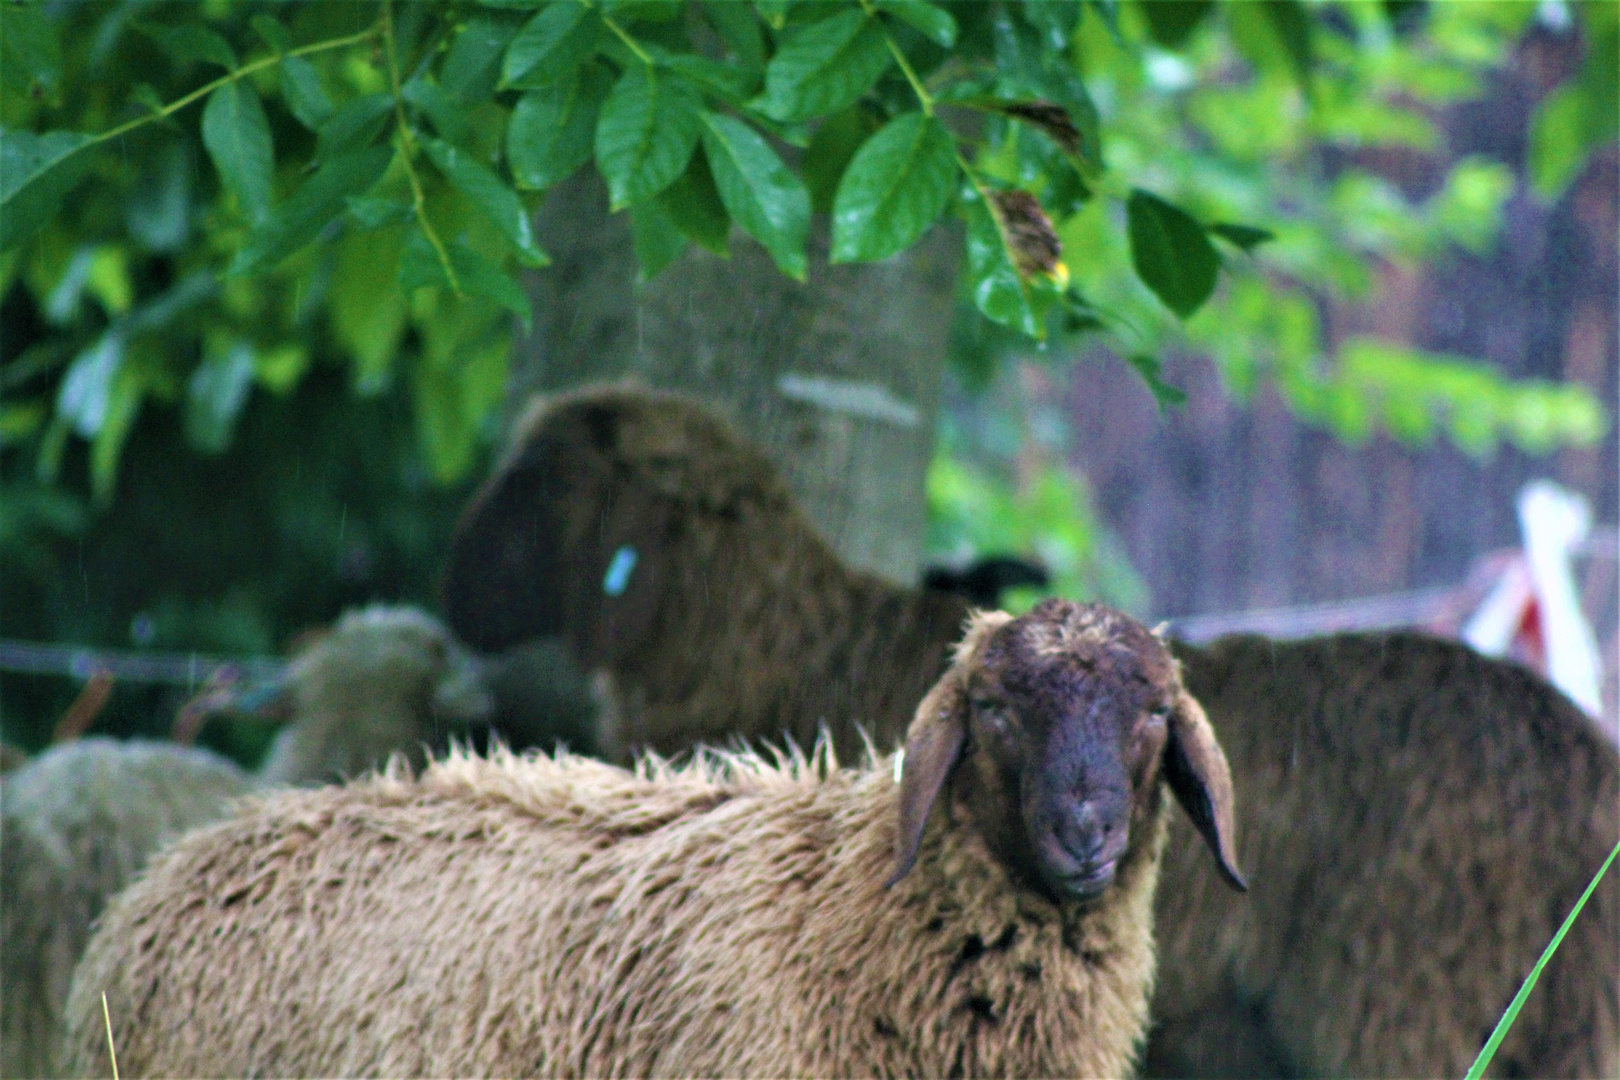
column 1534, row 816
column 1417, row 820
column 635, row 523
column 989, row 912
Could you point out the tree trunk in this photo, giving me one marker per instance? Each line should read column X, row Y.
column 837, row 378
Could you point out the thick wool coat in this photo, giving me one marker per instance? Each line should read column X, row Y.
column 540, row 916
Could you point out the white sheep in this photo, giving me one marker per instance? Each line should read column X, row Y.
column 77, row 823
column 990, row 913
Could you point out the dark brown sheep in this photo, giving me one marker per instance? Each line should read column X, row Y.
column 1416, row 818
column 636, row 524
column 987, row 913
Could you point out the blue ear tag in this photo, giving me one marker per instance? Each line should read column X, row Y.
column 617, row 578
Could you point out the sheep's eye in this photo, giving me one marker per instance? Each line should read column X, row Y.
column 996, row 715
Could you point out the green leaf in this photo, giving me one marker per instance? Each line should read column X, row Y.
column 302, row 217
column 190, row 43
column 1292, row 24
column 830, row 151
column 552, row 129
column 998, row 292
column 273, row 33
column 215, row 394
column 490, row 194
column 36, row 174
column 695, row 206
column 895, row 187
column 476, row 275
column 1560, row 139
column 1171, row 253
column 761, row 194
column 934, row 23
column 354, row 126
column 237, row 135
column 1149, row 368
column 727, row 81
column 1171, row 22
column 645, row 135
column 774, row 12
column 85, row 394
column 551, row 45
column 739, row 29
column 1247, row 237
column 456, row 385
column 658, row 240
column 301, row 90
column 628, row 12
column 449, row 116
column 824, row 67
column 279, row 368
column 123, row 405
column 374, row 212
column 29, row 52
column 1056, row 21
column 366, row 306
column 472, row 67
column 1108, row 11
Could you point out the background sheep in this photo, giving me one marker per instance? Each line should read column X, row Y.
column 634, row 524
column 75, row 826
column 1398, row 796
column 730, row 918
column 385, row 680
column 80, row 821
column 1417, row 820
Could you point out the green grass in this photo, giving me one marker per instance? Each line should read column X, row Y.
column 1489, row 1050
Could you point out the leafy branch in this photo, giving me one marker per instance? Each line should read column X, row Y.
column 685, row 130
column 240, row 73
column 407, row 149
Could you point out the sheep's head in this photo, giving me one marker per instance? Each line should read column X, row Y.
column 571, row 535
column 384, row 679
column 1053, row 731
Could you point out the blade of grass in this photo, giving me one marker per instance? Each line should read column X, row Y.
column 1502, row 1025
column 111, row 1051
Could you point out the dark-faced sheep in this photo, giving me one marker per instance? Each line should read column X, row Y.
column 1399, row 797
column 987, row 914
column 635, row 524
column 78, row 822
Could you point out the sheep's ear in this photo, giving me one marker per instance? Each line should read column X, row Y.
column 1195, row 768
column 934, row 741
column 500, row 585
column 613, row 598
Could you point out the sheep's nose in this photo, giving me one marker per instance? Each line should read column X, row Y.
column 1081, row 833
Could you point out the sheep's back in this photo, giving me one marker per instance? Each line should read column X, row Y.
column 565, row 918
column 1416, row 821
column 792, row 642
column 486, row 921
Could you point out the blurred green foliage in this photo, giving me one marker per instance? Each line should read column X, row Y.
column 1000, row 484
column 242, row 238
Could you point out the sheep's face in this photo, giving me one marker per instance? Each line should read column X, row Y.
column 1067, row 722
column 1054, row 731
column 573, row 533
column 391, row 654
